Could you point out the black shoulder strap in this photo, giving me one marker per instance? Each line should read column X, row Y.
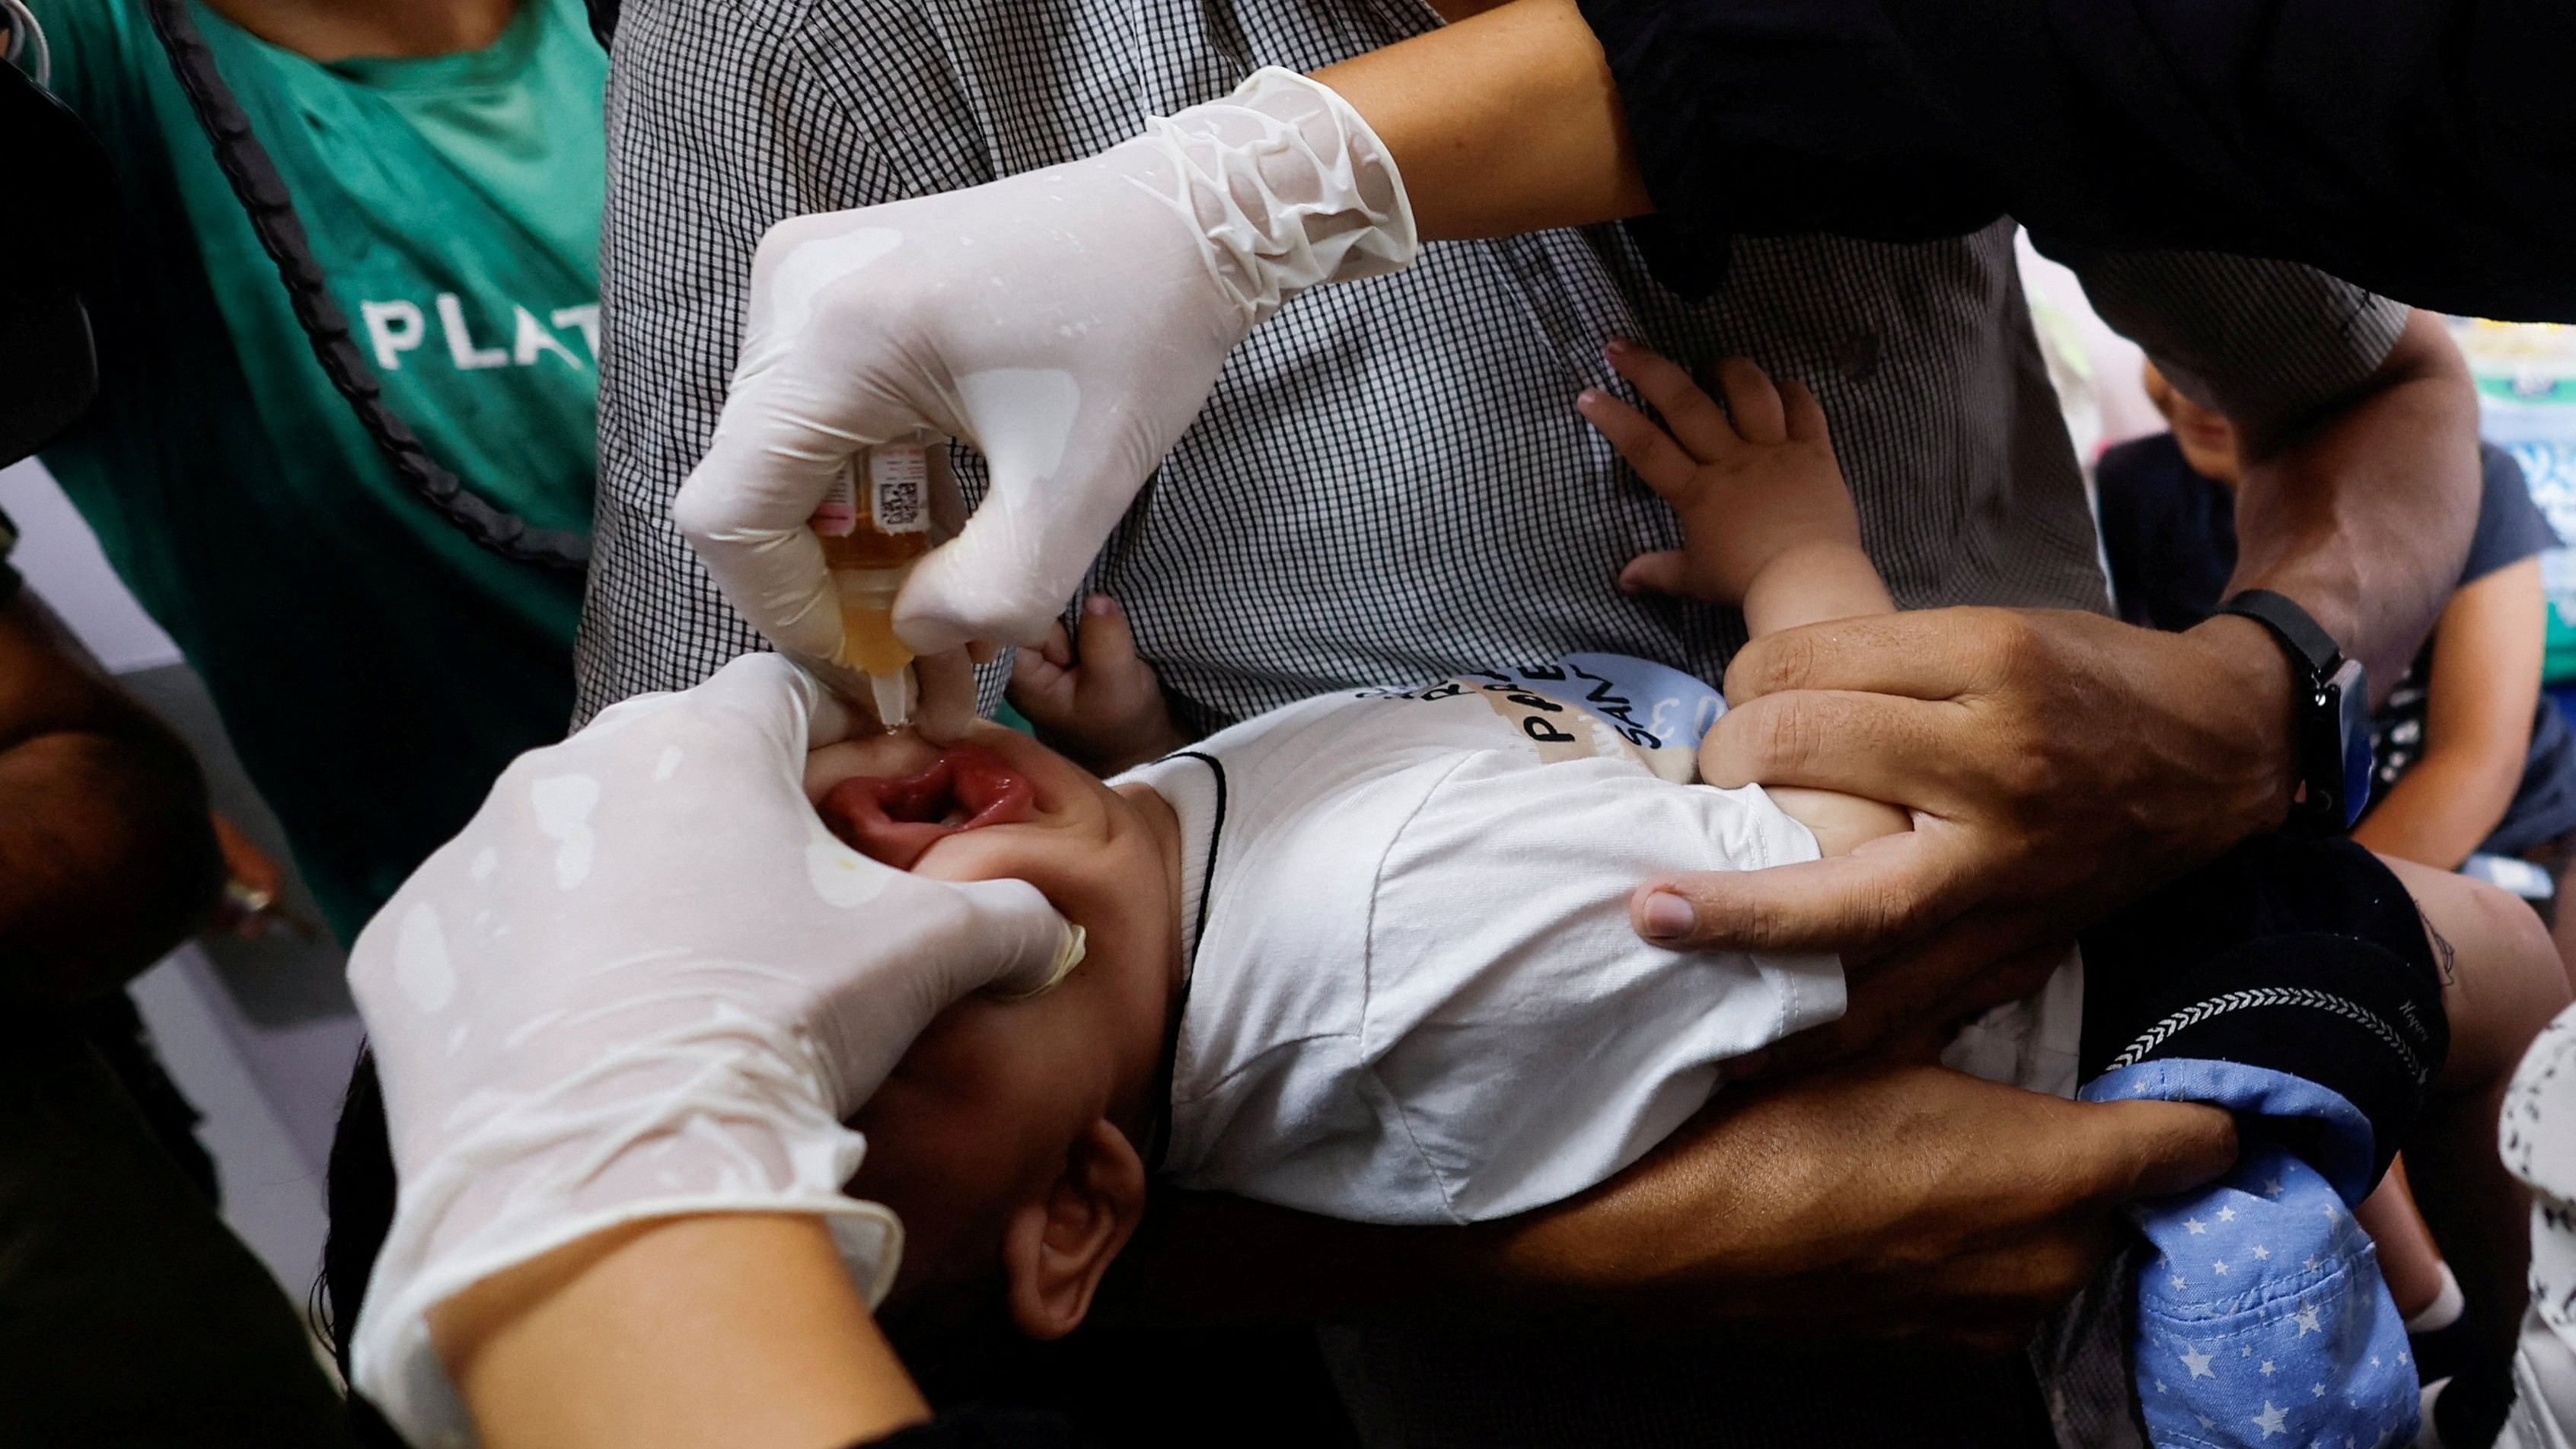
column 262, row 194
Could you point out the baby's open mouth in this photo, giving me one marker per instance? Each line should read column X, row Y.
column 894, row 821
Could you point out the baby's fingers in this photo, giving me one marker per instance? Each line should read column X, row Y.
column 1057, row 646
column 1649, row 449
column 1108, row 645
column 1806, row 415
column 1667, row 572
column 1752, row 401
column 1041, row 688
column 1694, row 418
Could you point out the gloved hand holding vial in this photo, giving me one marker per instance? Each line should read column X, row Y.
column 875, row 524
column 1067, row 322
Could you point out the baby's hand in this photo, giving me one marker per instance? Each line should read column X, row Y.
column 1106, row 712
column 1753, row 483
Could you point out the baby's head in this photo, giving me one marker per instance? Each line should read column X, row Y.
column 1009, row 1137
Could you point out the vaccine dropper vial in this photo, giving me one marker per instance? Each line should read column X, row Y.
column 874, row 524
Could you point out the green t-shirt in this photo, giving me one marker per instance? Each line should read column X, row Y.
column 374, row 666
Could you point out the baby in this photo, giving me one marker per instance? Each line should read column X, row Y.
column 1371, row 955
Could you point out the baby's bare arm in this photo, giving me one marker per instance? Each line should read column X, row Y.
column 1767, row 522
column 1841, row 823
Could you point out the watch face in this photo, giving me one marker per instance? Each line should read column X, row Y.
column 2350, row 698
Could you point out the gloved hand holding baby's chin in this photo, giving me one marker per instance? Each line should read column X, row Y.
column 646, row 981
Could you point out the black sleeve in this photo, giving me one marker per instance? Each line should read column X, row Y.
column 2289, row 953
column 2511, row 527
column 2417, row 147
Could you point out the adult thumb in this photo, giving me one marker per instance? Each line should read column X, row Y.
column 1064, row 467
column 1022, row 946
column 938, row 943
column 1003, row 579
column 2150, row 1149
column 744, row 508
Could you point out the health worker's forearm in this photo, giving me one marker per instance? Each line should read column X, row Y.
column 1506, row 121
column 1885, row 122
column 738, row 1331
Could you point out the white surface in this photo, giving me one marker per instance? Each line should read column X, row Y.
column 61, row 560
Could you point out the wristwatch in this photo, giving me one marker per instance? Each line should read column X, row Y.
column 2333, row 703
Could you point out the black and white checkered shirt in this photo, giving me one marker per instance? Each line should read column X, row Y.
column 1390, row 480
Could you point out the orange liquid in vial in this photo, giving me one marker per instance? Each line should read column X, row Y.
column 872, row 527
column 868, row 643
column 865, row 548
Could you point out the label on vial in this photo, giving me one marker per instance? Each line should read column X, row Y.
column 899, row 488
column 838, row 515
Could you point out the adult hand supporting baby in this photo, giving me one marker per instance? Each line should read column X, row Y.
column 1069, row 322
column 1884, row 1202
column 645, row 981
column 2060, row 764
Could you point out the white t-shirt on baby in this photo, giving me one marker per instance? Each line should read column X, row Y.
column 1414, row 993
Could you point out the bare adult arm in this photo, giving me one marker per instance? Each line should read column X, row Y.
column 735, row 1331
column 107, row 857
column 2059, row 764
column 1886, row 1201
column 2479, row 699
column 1506, row 121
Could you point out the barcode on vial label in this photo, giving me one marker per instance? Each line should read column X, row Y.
column 899, row 488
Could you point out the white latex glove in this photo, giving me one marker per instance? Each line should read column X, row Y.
column 647, row 981
column 1068, row 322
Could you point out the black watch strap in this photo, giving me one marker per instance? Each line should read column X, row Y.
column 2334, row 779
column 2300, row 634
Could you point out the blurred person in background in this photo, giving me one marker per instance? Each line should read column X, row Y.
column 383, row 613
column 343, row 442
column 128, row 1313
column 2469, row 756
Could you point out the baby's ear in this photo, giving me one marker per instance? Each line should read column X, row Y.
column 1059, row 1245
